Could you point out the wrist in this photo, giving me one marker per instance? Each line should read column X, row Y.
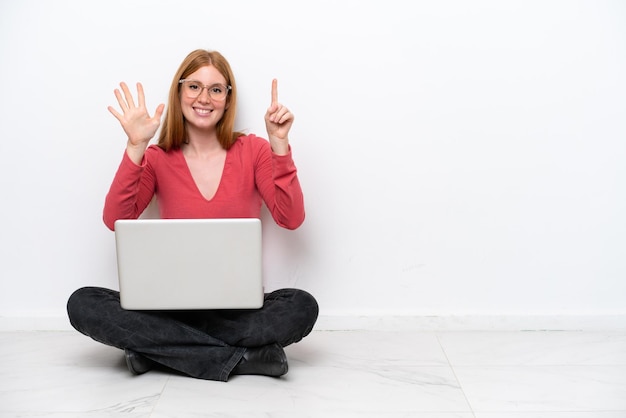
column 280, row 147
column 136, row 152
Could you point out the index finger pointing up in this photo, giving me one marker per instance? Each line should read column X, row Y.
column 274, row 91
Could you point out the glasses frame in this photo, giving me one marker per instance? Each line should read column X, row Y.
column 207, row 87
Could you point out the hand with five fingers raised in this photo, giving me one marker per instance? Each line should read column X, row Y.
column 135, row 120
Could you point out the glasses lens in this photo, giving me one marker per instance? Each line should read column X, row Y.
column 193, row 89
column 218, row 91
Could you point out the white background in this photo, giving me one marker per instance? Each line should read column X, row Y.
column 457, row 157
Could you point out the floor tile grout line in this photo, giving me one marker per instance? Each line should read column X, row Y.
column 455, row 375
column 154, row 407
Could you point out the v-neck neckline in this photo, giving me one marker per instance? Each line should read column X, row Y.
column 193, row 181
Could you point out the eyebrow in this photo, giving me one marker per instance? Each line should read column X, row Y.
column 200, row 82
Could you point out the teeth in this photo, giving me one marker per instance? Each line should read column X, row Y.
column 203, row 111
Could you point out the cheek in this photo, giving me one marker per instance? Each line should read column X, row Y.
column 220, row 108
column 186, row 110
column 185, row 102
column 186, row 106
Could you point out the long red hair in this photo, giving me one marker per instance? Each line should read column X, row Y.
column 173, row 132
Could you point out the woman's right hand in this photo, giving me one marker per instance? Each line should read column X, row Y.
column 135, row 120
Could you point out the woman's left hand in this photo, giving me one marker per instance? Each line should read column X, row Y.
column 278, row 121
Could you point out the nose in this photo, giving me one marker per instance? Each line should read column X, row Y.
column 202, row 95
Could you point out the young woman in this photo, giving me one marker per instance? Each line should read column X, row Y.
column 201, row 168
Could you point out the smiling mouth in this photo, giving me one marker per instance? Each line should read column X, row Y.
column 202, row 111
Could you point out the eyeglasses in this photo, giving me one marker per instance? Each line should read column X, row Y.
column 193, row 89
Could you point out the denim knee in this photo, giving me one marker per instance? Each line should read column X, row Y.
column 308, row 304
column 82, row 305
column 301, row 313
column 310, row 309
column 75, row 306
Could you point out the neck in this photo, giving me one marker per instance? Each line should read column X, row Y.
column 202, row 142
column 202, row 148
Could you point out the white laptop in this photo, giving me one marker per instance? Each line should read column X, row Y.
column 180, row 264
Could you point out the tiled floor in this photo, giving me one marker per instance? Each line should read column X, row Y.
column 333, row 374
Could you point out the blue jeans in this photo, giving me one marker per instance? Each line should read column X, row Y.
column 206, row 344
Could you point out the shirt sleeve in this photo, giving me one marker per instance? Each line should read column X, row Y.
column 131, row 191
column 277, row 181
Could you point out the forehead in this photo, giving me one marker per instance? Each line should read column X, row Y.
column 207, row 75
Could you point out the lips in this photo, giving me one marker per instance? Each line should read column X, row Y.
column 201, row 111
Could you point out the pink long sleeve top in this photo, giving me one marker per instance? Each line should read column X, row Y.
column 252, row 175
